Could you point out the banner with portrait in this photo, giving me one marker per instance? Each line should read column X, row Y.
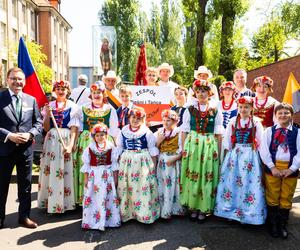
column 104, row 49
column 154, row 99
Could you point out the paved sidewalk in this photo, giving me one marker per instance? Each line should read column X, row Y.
column 64, row 232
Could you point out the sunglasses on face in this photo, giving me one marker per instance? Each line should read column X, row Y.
column 151, row 75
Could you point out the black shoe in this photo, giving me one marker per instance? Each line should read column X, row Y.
column 284, row 216
column 273, row 221
column 1, row 223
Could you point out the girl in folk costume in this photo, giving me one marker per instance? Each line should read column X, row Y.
column 202, row 128
column 169, row 165
column 240, row 193
column 280, row 153
column 56, row 184
column 181, row 98
column 100, row 168
column 227, row 105
column 263, row 103
column 98, row 110
column 137, row 184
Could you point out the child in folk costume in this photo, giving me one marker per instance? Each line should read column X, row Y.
column 240, row 193
column 169, row 165
column 125, row 95
column 202, row 128
column 181, row 98
column 56, row 185
column 280, row 153
column 137, row 184
column 100, row 203
column 96, row 111
column 227, row 104
column 264, row 104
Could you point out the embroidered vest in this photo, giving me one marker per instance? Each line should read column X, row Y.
column 100, row 158
column 135, row 144
column 204, row 124
column 92, row 117
column 227, row 115
column 62, row 118
column 292, row 144
column 169, row 145
column 266, row 114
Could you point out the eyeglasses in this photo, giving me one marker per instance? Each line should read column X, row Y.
column 16, row 79
column 151, row 75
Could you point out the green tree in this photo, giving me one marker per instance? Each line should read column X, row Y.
column 268, row 43
column 230, row 11
column 290, row 16
column 172, row 50
column 196, row 27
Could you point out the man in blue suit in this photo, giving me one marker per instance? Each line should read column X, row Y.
column 20, row 122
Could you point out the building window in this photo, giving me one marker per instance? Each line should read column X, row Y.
column 60, row 56
column 3, row 72
column 24, row 13
column 3, row 36
column 32, row 20
column 14, row 5
column 3, row 5
column 15, row 35
column 55, row 53
column 55, row 27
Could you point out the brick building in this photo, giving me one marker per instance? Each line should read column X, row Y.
column 279, row 72
column 39, row 21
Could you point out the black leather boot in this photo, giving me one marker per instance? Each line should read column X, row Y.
column 283, row 219
column 273, row 221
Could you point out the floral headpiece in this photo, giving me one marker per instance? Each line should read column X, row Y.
column 61, row 84
column 197, row 84
column 99, row 85
column 100, row 127
column 138, row 112
column 245, row 100
column 229, row 85
column 263, row 80
column 171, row 114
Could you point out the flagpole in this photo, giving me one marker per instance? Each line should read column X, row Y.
column 57, row 129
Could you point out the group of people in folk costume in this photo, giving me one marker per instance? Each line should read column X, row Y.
column 237, row 157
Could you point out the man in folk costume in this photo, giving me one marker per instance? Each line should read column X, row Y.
column 240, row 80
column 280, row 152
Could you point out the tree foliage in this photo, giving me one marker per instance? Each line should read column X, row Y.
column 38, row 58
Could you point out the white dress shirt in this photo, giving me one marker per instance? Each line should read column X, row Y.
column 281, row 155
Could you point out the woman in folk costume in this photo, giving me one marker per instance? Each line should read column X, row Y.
column 56, row 184
column 201, row 134
column 227, row 104
column 280, row 152
column 169, row 165
column 241, row 193
column 98, row 110
column 203, row 73
column 100, row 168
column 137, row 183
column 264, row 104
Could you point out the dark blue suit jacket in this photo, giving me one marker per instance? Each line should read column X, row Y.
column 30, row 121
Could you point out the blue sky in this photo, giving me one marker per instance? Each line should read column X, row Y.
column 83, row 16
